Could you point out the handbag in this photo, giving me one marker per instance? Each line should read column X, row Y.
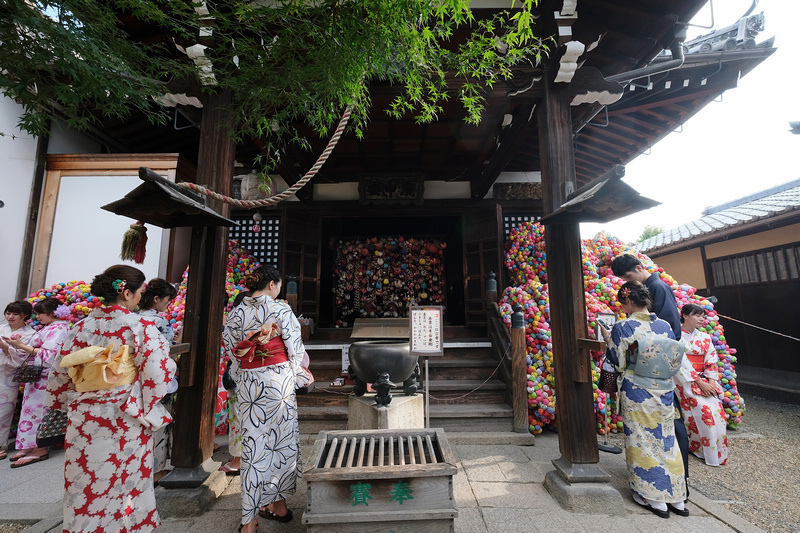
column 51, row 429
column 608, row 381
column 227, row 381
column 28, row 372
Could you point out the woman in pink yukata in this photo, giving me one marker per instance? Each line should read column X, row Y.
column 45, row 345
column 112, row 373
column 16, row 315
column 699, row 390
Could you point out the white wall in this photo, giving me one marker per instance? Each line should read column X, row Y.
column 17, row 165
column 66, row 141
column 87, row 239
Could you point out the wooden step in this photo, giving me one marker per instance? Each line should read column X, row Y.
column 442, row 391
column 478, row 418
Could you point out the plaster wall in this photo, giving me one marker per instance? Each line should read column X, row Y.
column 66, row 141
column 684, row 267
column 17, row 166
column 765, row 239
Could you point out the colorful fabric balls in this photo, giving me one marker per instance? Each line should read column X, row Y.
column 526, row 261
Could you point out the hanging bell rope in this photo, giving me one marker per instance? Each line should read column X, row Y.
column 272, row 200
column 134, row 243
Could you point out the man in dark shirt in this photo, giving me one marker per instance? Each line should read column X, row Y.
column 629, row 268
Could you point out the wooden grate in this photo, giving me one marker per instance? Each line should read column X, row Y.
column 389, row 450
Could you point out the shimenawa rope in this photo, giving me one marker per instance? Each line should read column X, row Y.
column 272, row 200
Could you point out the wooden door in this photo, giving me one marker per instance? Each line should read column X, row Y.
column 301, row 258
column 482, row 254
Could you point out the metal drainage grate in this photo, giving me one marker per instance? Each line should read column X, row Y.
column 389, row 450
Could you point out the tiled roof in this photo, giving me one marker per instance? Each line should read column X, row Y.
column 759, row 206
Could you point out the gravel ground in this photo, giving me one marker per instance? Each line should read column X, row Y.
column 12, row 528
column 761, row 479
column 760, row 482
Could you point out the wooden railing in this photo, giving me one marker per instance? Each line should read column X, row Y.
column 508, row 347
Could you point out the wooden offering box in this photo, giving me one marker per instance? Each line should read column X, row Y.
column 379, row 481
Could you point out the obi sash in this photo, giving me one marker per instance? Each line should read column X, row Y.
column 261, row 348
column 698, row 361
column 95, row 368
column 657, row 360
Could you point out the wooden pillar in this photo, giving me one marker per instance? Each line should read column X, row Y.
column 193, row 435
column 519, row 382
column 576, row 428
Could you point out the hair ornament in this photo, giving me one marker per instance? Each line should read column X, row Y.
column 62, row 311
column 625, row 292
column 119, row 285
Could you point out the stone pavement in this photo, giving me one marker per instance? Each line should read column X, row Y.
column 498, row 488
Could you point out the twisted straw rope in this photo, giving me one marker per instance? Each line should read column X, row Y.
column 272, row 200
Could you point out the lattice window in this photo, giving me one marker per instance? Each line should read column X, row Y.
column 759, row 266
column 263, row 244
column 512, row 221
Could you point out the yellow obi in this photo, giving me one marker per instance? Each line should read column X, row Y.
column 95, row 368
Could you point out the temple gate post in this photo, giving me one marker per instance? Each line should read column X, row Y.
column 578, row 482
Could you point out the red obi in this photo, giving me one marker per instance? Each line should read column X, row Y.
column 698, row 361
column 261, row 348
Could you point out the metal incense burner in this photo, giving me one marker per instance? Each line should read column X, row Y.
column 379, row 362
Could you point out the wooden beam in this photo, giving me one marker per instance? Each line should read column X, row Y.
column 193, row 435
column 521, row 121
column 576, row 427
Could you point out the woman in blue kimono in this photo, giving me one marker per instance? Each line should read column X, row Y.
column 643, row 350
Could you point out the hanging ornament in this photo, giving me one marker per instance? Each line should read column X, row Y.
column 134, row 242
column 256, row 219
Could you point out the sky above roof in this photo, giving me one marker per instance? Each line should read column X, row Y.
column 738, row 145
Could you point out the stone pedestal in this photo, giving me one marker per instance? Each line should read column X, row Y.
column 190, row 492
column 405, row 412
column 583, row 488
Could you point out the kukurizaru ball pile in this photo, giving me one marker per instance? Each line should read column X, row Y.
column 381, row 277
column 74, row 295
column 526, row 261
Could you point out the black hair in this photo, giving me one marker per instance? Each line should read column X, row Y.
column 157, row 287
column 259, row 279
column 241, row 296
column 622, row 264
column 20, row 307
column 691, row 309
column 47, row 306
column 104, row 286
column 635, row 293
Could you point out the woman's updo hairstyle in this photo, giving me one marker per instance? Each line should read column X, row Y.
column 46, row 306
column 20, row 307
column 691, row 309
column 259, row 278
column 111, row 283
column 635, row 293
column 157, row 287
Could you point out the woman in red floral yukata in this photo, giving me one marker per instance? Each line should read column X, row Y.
column 699, row 391
column 110, row 377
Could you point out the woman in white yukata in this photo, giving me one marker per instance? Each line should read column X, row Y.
column 16, row 327
column 643, row 349
column 263, row 336
column 699, row 391
column 45, row 345
column 112, row 373
column 155, row 300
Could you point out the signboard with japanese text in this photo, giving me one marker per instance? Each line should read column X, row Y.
column 426, row 331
